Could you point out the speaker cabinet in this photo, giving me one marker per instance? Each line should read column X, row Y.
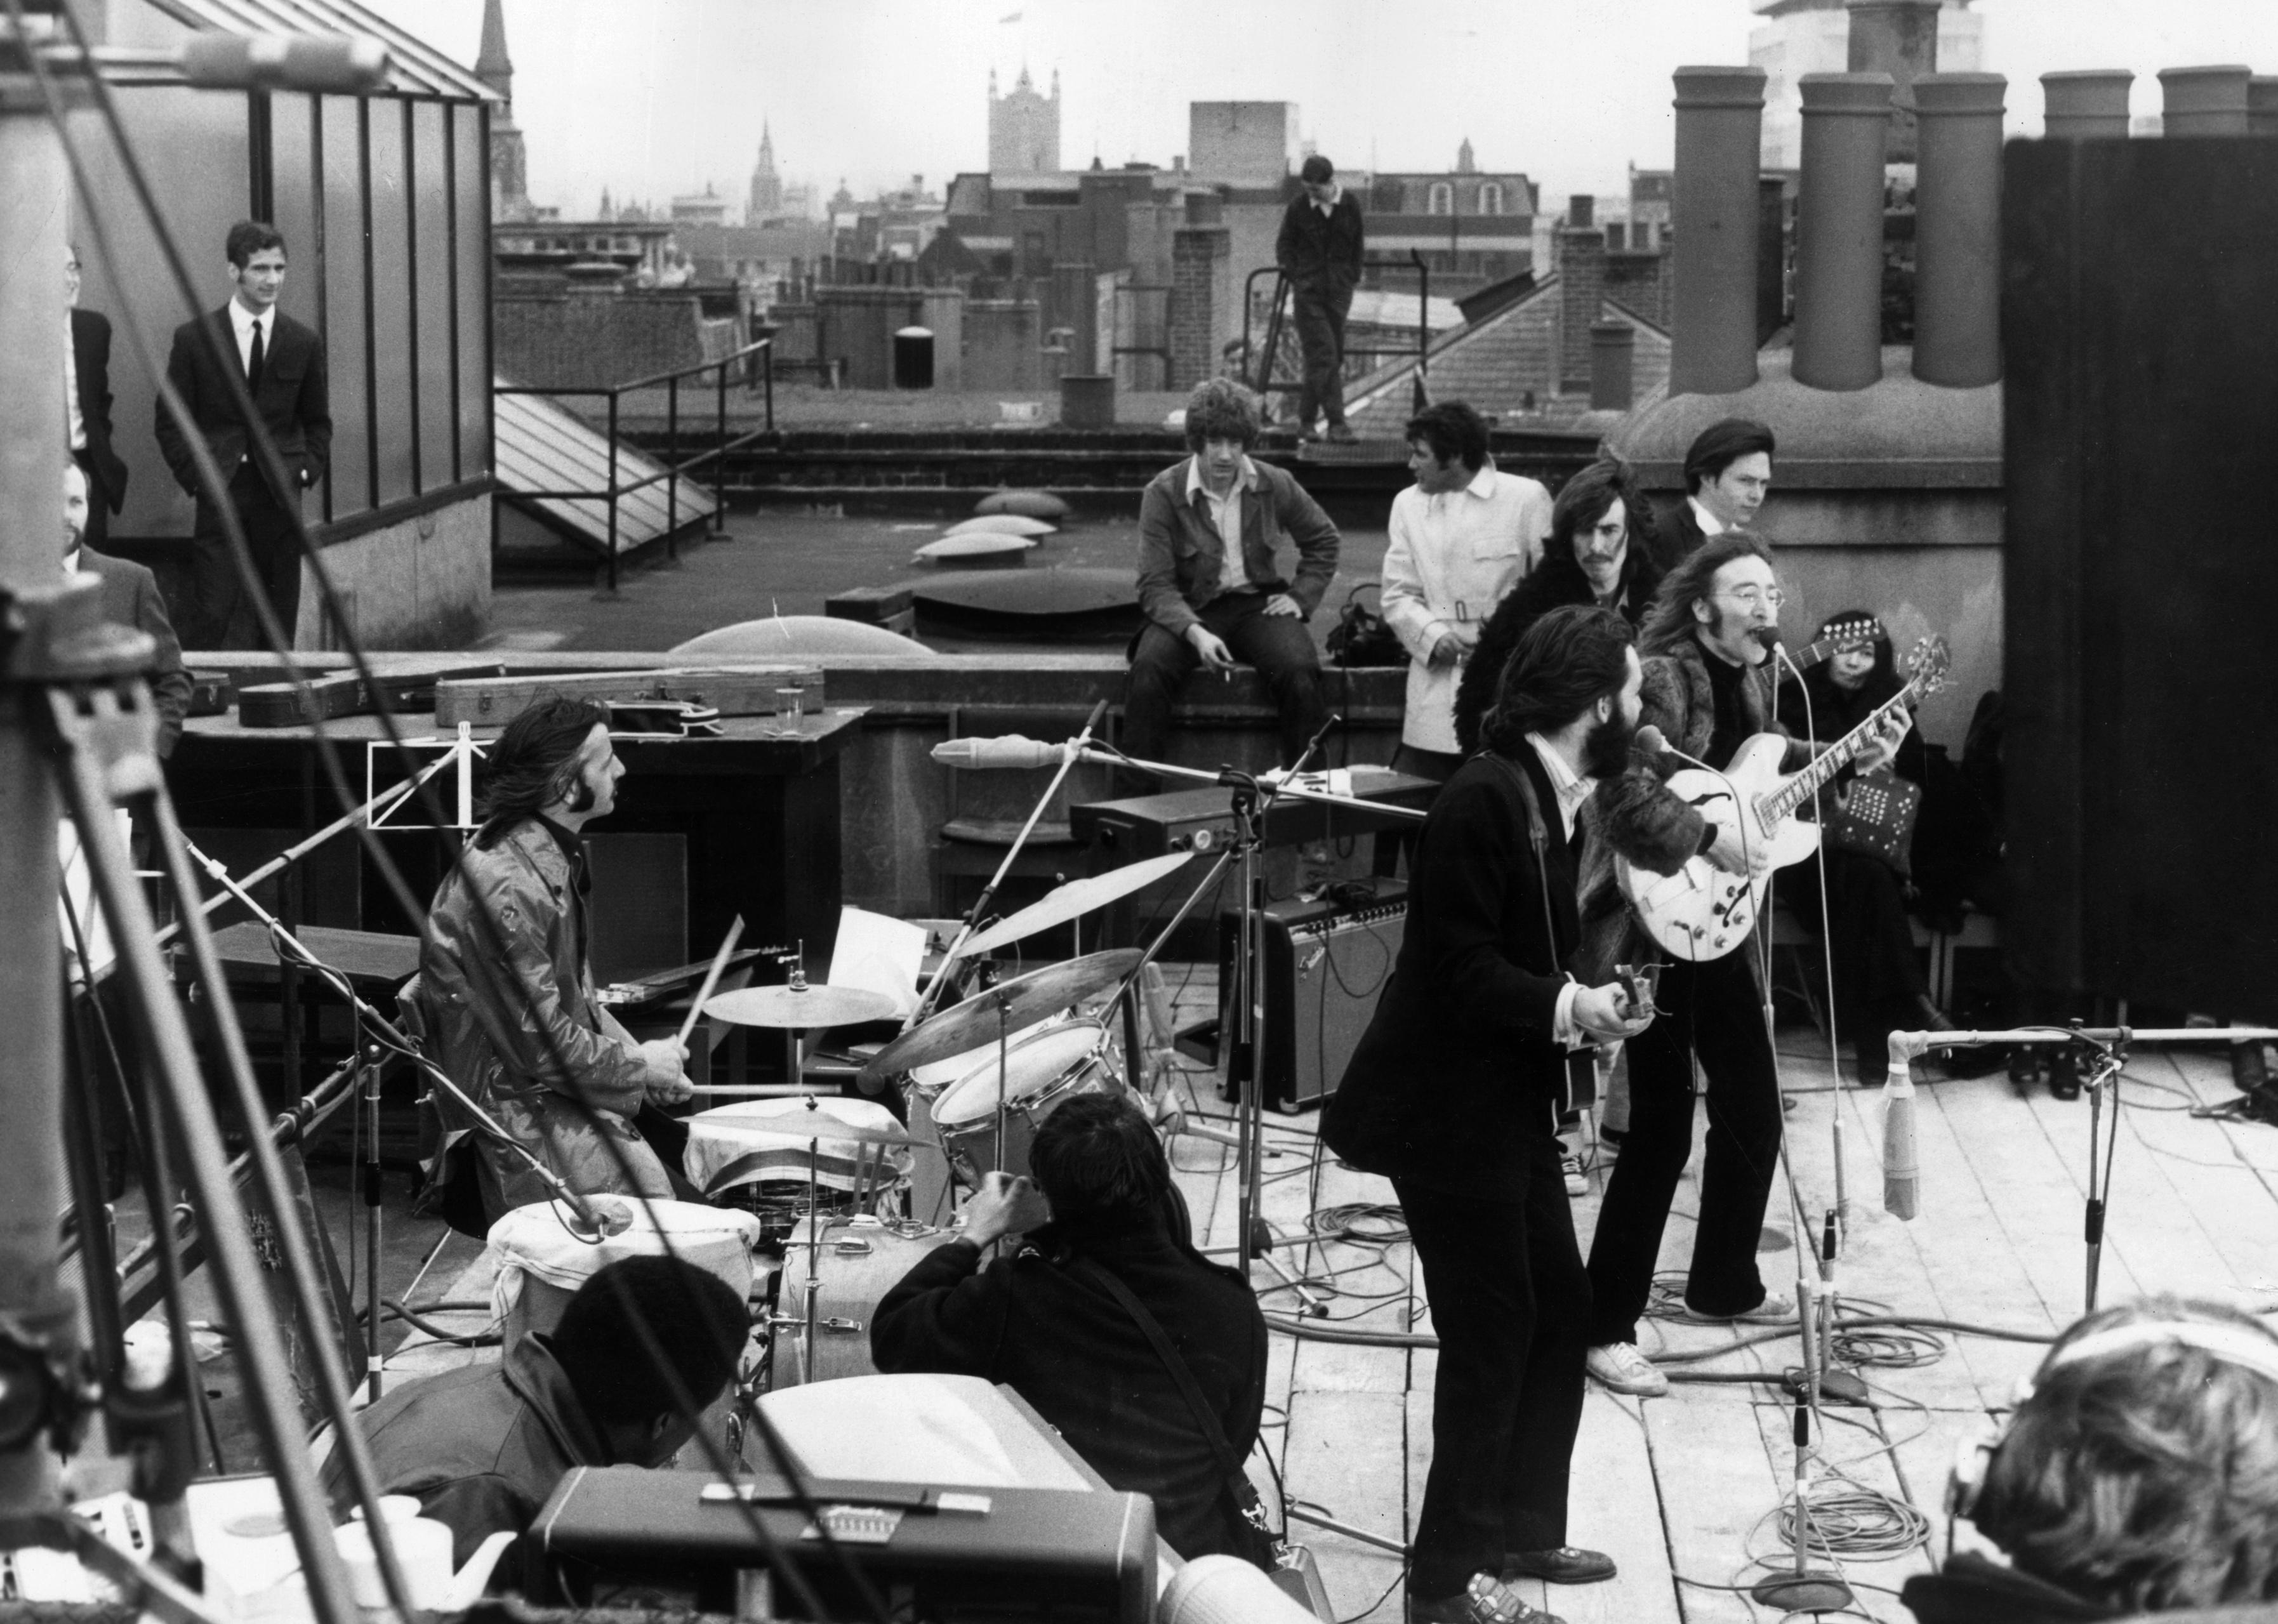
column 1326, row 966
column 2140, row 341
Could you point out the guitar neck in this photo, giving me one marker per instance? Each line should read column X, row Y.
column 1811, row 653
column 1833, row 759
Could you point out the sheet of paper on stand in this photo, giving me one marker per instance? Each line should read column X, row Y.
column 76, row 901
column 879, row 954
column 917, row 1429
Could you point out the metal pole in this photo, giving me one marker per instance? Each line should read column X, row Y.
column 720, row 452
column 372, row 1238
column 672, row 465
column 35, row 1312
column 612, row 491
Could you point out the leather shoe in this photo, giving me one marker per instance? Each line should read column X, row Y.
column 1561, row 1565
column 1485, row 1601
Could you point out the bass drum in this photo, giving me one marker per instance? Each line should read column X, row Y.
column 861, row 1260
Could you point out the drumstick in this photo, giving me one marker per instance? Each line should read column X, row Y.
column 711, row 980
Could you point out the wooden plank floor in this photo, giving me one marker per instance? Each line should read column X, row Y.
column 1684, row 1491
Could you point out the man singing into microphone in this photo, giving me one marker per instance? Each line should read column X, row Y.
column 1451, row 1094
column 1708, row 681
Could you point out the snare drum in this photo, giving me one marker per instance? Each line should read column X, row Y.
column 1045, row 1069
column 862, row 1259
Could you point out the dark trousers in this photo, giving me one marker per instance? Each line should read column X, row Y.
column 1879, row 986
column 1320, row 322
column 221, row 617
column 1713, row 1010
column 1510, row 1303
column 1278, row 645
column 1439, row 766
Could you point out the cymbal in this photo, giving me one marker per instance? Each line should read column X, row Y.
column 1076, row 899
column 1022, row 1001
column 820, row 1125
column 806, row 1009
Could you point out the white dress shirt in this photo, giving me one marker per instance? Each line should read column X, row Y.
column 1572, row 790
column 74, row 425
column 1452, row 557
column 242, row 321
column 1710, row 523
column 1226, row 513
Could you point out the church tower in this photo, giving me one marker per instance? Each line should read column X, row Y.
column 766, row 201
column 1024, row 127
column 509, row 174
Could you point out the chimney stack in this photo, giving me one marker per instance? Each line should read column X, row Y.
column 2086, row 104
column 2206, row 101
column 2262, row 104
column 1839, row 269
column 1898, row 37
column 1613, row 366
column 1958, row 230
column 1713, row 215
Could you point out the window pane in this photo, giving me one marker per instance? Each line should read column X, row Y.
column 391, row 299
column 473, row 270
column 431, row 214
column 346, row 355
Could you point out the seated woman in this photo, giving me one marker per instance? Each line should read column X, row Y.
column 1879, row 985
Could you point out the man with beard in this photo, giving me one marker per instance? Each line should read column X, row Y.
column 1452, row 1095
column 1708, row 688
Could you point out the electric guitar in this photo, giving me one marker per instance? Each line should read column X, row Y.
column 1702, row 913
column 1841, row 637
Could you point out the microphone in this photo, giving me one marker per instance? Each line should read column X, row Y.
column 1654, row 742
column 1901, row 1169
column 1014, row 751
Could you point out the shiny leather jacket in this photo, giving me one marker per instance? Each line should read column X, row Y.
column 516, row 1025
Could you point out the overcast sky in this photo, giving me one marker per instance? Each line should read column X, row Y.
column 662, row 97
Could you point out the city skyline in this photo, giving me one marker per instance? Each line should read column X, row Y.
column 665, row 98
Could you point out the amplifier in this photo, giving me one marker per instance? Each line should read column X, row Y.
column 1148, row 826
column 1327, row 964
column 1084, row 1556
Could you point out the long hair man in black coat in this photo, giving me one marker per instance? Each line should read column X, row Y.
column 1451, row 1095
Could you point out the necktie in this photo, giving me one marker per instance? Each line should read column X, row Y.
column 252, row 366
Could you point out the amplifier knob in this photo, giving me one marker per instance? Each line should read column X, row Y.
column 1205, row 839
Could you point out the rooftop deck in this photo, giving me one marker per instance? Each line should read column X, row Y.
column 1684, row 1490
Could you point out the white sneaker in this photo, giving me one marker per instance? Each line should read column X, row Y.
column 1621, row 1367
column 1578, row 1183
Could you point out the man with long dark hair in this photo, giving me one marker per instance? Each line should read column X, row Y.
column 1045, row 1320
column 1600, row 552
column 1708, row 687
column 505, row 988
column 1452, row 1095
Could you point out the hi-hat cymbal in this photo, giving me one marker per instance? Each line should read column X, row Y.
column 1074, row 900
column 1022, row 1001
column 806, row 1009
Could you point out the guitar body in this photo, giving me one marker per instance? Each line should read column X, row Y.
column 1701, row 912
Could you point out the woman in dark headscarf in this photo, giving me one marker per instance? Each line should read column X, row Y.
column 1879, row 986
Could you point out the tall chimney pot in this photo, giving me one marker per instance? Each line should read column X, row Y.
column 2204, row 101
column 2086, row 104
column 2262, row 104
column 1613, row 363
column 1958, row 230
column 1839, row 268
column 1898, row 37
column 1581, row 209
column 1713, row 216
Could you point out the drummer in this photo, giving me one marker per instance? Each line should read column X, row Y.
column 1044, row 1321
column 512, row 1018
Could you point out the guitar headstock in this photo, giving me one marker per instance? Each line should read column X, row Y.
column 1928, row 663
column 1851, row 632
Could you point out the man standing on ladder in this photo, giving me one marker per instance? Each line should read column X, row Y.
column 1319, row 251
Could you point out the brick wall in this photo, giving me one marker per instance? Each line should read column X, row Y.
column 1640, row 281
column 1581, row 286
column 1198, row 254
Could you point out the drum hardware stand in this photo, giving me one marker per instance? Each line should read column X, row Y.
column 795, row 1073
column 2105, row 1061
column 371, row 1212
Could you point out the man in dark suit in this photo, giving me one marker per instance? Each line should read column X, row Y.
column 281, row 364
column 1451, row 1095
column 87, row 405
column 1319, row 251
column 1728, row 472
column 130, row 597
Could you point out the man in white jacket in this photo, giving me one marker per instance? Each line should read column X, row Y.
column 1462, row 537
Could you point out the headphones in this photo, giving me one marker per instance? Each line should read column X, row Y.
column 2234, row 1344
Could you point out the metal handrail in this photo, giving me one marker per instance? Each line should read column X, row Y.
column 1265, row 383
column 675, row 465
